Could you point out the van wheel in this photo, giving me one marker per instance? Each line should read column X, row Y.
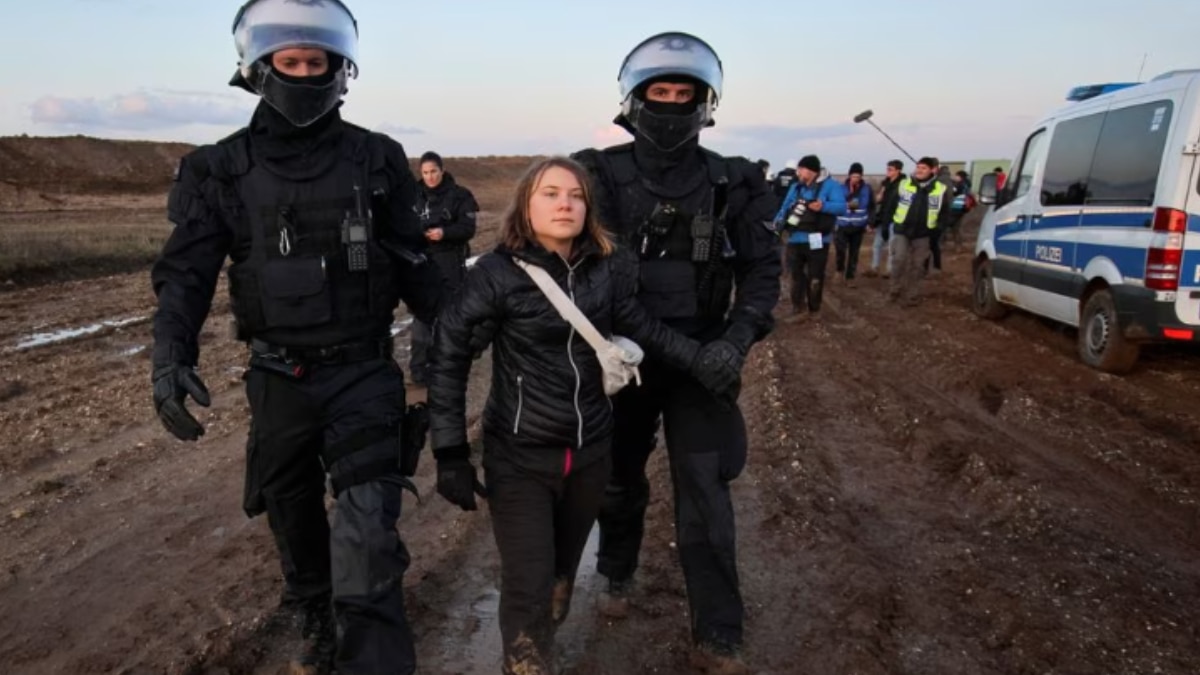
column 983, row 300
column 1102, row 344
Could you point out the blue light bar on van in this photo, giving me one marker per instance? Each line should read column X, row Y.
column 1084, row 92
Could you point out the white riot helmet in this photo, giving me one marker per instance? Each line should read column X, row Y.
column 663, row 57
column 263, row 27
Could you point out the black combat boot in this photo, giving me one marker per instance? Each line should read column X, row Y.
column 614, row 603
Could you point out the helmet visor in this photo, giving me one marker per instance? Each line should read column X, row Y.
column 267, row 26
column 669, row 54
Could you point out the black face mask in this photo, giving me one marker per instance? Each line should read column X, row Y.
column 301, row 100
column 667, row 125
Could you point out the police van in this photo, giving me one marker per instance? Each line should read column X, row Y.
column 1098, row 223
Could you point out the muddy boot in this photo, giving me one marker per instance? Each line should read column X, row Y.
column 614, row 603
column 319, row 632
column 524, row 658
column 717, row 660
column 560, row 600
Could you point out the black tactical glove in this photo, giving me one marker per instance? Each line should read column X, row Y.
column 173, row 383
column 482, row 335
column 718, row 366
column 456, row 480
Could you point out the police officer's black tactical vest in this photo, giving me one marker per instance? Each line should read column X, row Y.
column 294, row 280
column 681, row 238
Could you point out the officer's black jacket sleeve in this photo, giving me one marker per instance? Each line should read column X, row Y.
column 185, row 275
column 420, row 285
column 461, row 227
column 478, row 303
column 631, row 319
column 757, row 265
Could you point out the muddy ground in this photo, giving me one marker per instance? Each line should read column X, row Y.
column 927, row 492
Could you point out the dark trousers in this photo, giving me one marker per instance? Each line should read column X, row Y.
column 452, row 265
column 954, row 229
column 541, row 522
column 848, row 241
column 706, row 446
column 935, row 250
column 343, row 419
column 808, row 275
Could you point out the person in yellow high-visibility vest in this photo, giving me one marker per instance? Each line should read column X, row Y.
column 918, row 208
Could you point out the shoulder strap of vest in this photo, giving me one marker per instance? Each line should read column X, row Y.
column 369, row 148
column 232, row 157
column 718, row 176
column 620, row 163
column 718, row 167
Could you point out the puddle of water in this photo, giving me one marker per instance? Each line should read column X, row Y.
column 43, row 339
column 576, row 632
column 130, row 351
column 482, row 651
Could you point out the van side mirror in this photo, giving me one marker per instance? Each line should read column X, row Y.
column 987, row 189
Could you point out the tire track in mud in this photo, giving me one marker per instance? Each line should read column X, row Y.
column 1044, row 496
column 970, row 390
column 832, row 520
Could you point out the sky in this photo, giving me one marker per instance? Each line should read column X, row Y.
column 956, row 80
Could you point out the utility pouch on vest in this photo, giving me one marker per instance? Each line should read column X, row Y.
column 667, row 289
column 413, row 431
column 702, row 237
column 655, row 229
column 295, row 293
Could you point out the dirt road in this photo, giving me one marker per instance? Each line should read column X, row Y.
column 927, row 493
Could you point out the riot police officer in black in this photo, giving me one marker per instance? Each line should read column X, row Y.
column 316, row 216
column 447, row 212
column 710, row 268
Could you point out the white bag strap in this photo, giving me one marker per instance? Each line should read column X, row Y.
column 565, row 307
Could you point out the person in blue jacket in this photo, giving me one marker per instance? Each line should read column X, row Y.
column 807, row 218
column 852, row 226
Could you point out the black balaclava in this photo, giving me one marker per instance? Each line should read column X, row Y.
column 296, row 152
column 666, row 137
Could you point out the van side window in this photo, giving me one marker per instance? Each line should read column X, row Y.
column 1070, row 161
column 1035, row 153
column 1128, row 157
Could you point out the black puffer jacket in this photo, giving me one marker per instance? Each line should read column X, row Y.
column 547, row 395
column 451, row 207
